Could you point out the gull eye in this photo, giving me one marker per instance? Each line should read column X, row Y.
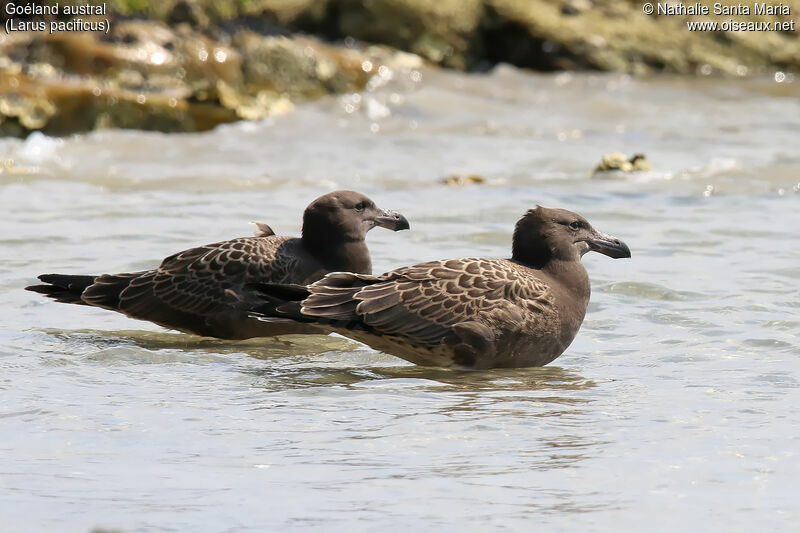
column 360, row 206
column 575, row 225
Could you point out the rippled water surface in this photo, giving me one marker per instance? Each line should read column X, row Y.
column 677, row 406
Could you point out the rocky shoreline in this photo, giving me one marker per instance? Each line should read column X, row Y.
column 182, row 65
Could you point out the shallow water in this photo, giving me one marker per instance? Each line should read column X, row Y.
column 675, row 407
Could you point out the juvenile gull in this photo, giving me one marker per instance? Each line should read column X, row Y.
column 471, row 312
column 199, row 290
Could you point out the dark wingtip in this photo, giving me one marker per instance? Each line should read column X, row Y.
column 41, row 289
column 59, row 294
column 64, row 288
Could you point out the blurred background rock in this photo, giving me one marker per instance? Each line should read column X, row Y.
column 188, row 65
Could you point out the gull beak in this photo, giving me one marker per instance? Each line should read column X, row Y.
column 391, row 220
column 608, row 245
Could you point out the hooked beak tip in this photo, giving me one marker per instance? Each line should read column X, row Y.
column 610, row 246
column 392, row 220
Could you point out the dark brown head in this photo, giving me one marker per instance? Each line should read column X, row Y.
column 349, row 215
column 336, row 224
column 543, row 235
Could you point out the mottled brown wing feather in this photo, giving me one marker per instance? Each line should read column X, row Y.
column 423, row 303
column 195, row 281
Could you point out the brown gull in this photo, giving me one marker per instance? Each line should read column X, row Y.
column 199, row 290
column 472, row 312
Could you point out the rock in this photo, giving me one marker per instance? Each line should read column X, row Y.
column 200, row 63
column 457, row 180
column 617, row 161
column 640, row 163
column 631, row 41
column 442, row 31
column 147, row 75
column 541, row 34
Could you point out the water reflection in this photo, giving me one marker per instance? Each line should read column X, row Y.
column 183, row 348
column 305, row 361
